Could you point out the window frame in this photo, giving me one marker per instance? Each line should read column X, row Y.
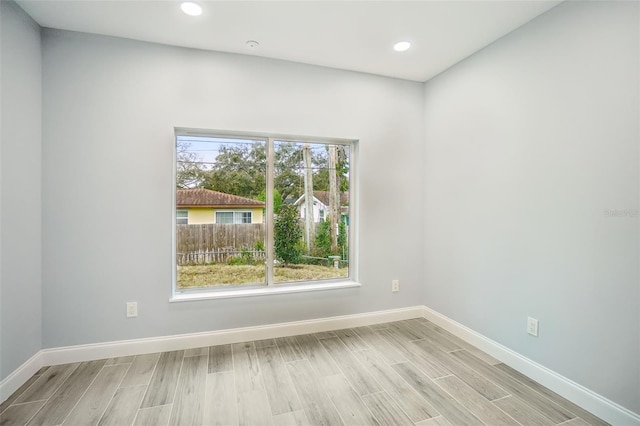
column 271, row 287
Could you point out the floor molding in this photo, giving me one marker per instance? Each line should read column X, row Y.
column 574, row 392
column 89, row 352
column 20, row 375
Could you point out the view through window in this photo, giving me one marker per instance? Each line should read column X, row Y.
column 261, row 211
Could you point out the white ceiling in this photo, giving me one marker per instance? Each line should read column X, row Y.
column 351, row 35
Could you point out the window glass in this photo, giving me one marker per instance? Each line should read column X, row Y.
column 225, row 249
column 224, row 217
column 250, row 240
column 182, row 217
column 316, row 176
column 244, row 217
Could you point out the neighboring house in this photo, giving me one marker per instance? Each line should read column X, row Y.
column 200, row 206
column 321, row 206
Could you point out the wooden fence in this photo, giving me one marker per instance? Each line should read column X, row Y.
column 218, row 242
column 219, row 256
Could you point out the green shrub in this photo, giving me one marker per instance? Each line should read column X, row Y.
column 245, row 258
column 342, row 240
column 322, row 243
column 236, row 260
column 288, row 235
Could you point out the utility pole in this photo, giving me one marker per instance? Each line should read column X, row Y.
column 334, row 198
column 308, row 198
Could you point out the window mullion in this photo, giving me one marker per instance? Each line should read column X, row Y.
column 269, row 211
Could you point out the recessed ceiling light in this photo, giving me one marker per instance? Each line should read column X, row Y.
column 191, row 8
column 401, row 46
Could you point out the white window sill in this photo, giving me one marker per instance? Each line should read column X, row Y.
column 262, row 291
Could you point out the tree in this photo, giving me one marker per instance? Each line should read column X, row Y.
column 309, row 220
column 277, row 199
column 334, row 197
column 188, row 167
column 288, row 163
column 321, row 176
column 239, row 169
column 288, row 234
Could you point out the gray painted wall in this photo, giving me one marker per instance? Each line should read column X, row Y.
column 109, row 109
column 20, row 188
column 529, row 144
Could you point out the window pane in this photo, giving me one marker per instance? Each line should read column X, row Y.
column 243, row 217
column 213, row 174
column 182, row 217
column 314, row 178
column 224, row 217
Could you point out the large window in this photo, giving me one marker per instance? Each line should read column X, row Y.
column 259, row 189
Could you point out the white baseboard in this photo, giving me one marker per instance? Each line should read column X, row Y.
column 79, row 353
column 589, row 400
column 19, row 376
column 574, row 392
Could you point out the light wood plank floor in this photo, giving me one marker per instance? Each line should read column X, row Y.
column 407, row 372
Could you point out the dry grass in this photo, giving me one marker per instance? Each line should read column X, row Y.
column 221, row 274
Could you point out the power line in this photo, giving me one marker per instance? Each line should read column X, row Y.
column 241, row 168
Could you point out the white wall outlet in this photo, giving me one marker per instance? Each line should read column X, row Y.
column 132, row 309
column 532, row 326
column 395, row 285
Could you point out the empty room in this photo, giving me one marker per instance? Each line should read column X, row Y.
column 319, row 212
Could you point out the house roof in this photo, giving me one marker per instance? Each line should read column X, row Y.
column 200, row 197
column 323, row 197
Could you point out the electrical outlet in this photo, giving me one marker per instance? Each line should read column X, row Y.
column 532, row 326
column 132, row 309
column 395, row 285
